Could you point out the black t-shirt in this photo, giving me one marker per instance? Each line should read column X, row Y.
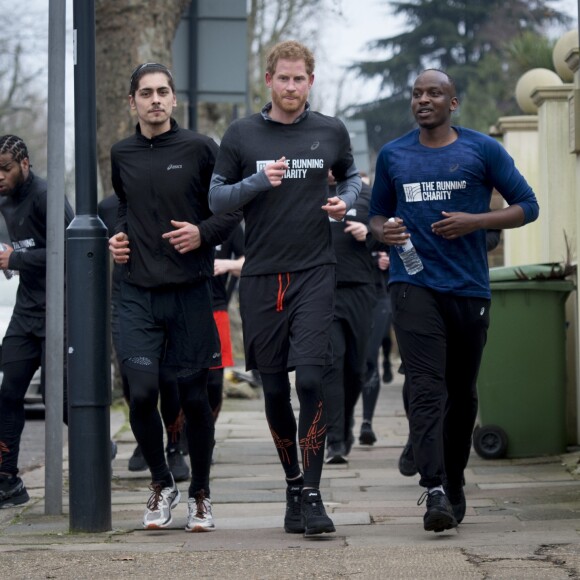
column 221, row 285
column 354, row 262
column 286, row 229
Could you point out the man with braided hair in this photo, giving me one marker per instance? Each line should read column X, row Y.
column 23, row 205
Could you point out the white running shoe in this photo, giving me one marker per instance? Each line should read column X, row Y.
column 199, row 517
column 159, row 506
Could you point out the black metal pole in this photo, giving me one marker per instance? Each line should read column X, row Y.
column 193, row 85
column 87, row 305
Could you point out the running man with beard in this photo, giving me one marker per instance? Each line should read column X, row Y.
column 274, row 165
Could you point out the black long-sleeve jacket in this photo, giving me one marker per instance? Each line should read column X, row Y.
column 162, row 179
column 25, row 216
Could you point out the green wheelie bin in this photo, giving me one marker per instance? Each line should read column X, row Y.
column 522, row 379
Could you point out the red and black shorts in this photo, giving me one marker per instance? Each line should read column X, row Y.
column 286, row 318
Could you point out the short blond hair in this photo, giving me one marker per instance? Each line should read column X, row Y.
column 289, row 50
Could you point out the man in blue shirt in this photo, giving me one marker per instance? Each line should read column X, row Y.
column 437, row 182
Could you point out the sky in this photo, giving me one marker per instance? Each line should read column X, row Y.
column 350, row 26
column 345, row 43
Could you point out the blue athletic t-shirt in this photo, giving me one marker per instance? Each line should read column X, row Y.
column 416, row 183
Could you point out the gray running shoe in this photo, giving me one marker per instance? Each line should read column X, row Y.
column 161, row 502
column 199, row 516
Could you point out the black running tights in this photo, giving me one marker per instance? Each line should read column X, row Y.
column 17, row 377
column 148, row 428
column 311, row 422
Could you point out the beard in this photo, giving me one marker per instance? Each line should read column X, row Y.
column 18, row 182
column 289, row 106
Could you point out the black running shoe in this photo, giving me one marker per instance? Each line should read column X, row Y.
column 407, row 465
column 457, row 499
column 336, row 454
column 439, row 515
column 137, row 461
column 293, row 517
column 367, row 435
column 177, row 465
column 12, row 492
column 314, row 516
column 387, row 375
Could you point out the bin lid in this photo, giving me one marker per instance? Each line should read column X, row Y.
column 551, row 271
column 550, row 276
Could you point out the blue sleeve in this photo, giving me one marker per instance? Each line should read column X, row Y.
column 384, row 197
column 510, row 183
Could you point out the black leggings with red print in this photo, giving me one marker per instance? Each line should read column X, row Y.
column 311, row 426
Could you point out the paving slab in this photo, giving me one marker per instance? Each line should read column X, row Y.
column 522, row 518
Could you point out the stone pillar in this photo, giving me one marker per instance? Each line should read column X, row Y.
column 520, row 138
column 558, row 214
column 557, row 170
column 572, row 59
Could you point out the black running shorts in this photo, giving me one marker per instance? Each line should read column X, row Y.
column 173, row 324
column 286, row 318
column 24, row 338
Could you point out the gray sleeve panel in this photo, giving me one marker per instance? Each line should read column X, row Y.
column 349, row 188
column 226, row 197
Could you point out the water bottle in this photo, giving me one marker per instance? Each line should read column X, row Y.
column 409, row 256
column 7, row 273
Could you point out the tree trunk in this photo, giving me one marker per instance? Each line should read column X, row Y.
column 128, row 33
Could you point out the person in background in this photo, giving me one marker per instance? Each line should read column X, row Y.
column 380, row 326
column 355, row 298
column 436, row 183
column 23, row 199
column 274, row 165
column 164, row 239
column 228, row 262
column 386, row 346
column 381, row 323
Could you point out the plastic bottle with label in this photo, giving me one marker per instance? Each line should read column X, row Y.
column 409, row 256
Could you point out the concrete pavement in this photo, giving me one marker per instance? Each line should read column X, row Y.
column 522, row 521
